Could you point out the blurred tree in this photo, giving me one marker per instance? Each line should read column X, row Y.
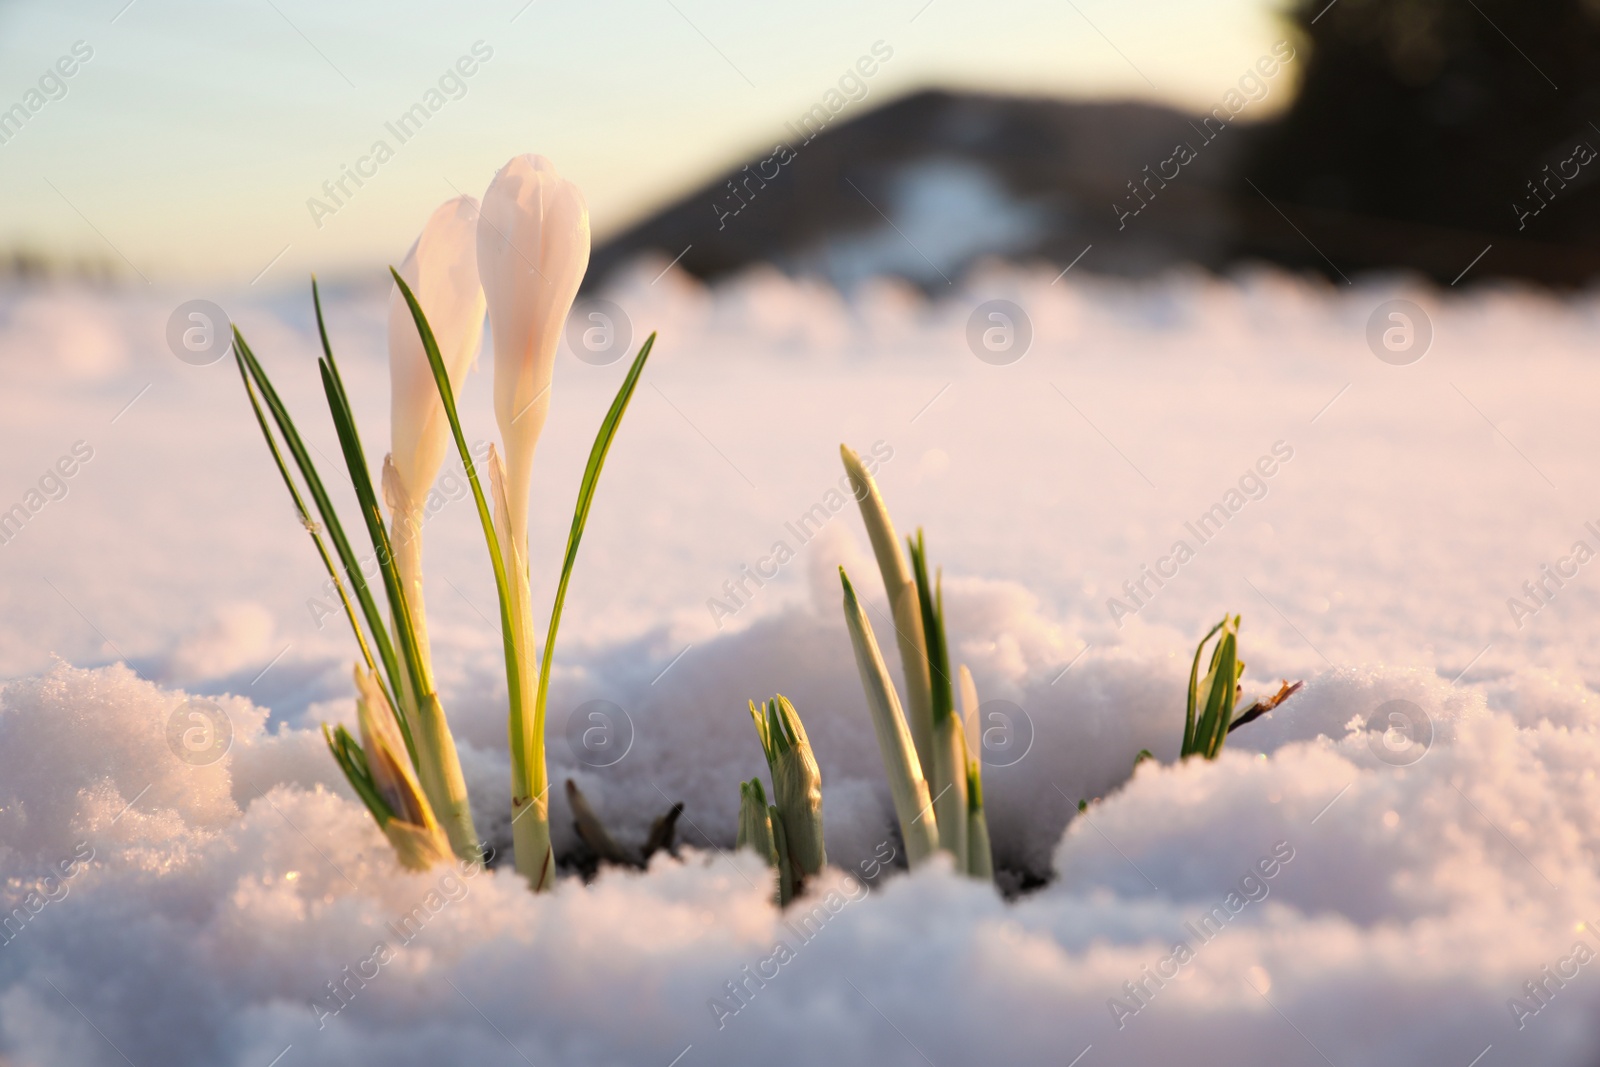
column 1422, row 132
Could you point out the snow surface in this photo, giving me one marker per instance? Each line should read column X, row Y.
column 193, row 914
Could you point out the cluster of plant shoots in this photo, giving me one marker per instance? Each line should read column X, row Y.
column 404, row 767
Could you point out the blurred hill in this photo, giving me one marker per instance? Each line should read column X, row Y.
column 922, row 186
column 1426, row 133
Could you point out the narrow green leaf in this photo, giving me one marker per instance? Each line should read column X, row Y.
column 758, row 715
column 1219, row 687
column 305, row 516
column 353, row 762
column 361, row 480
column 1194, row 683
column 330, row 518
column 327, row 355
column 586, row 490
column 322, row 329
column 1225, row 689
column 931, row 601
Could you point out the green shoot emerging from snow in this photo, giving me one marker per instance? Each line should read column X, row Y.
column 907, row 786
column 949, row 765
column 1212, row 698
column 796, row 790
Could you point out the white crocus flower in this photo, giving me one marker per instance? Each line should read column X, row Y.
column 442, row 271
column 533, row 248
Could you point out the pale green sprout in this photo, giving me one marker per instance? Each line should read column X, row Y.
column 755, row 825
column 901, row 589
column 936, row 731
column 907, row 788
column 980, row 858
column 796, row 786
column 949, row 778
column 787, row 881
column 1213, row 711
column 1212, row 699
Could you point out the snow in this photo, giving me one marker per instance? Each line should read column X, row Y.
column 191, row 906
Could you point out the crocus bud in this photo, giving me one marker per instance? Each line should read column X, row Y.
column 533, row 247
column 442, row 271
column 412, row 829
column 796, row 783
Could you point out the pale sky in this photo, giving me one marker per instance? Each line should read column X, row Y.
column 190, row 141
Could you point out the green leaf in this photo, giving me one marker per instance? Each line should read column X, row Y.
column 1225, row 689
column 1189, row 748
column 759, row 716
column 931, row 600
column 586, row 490
column 330, row 517
column 347, row 753
column 1220, row 686
column 361, row 480
column 305, row 516
column 322, row 329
